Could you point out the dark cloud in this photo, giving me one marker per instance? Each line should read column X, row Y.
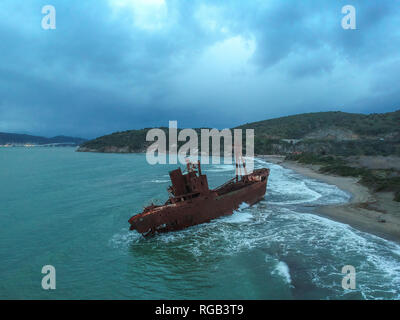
column 203, row 63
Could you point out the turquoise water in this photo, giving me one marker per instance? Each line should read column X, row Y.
column 70, row 210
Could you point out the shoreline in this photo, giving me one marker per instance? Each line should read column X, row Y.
column 367, row 211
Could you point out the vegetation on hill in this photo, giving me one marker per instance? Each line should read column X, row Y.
column 131, row 141
column 125, row 141
column 329, row 133
column 323, row 133
column 298, row 126
column 15, row 138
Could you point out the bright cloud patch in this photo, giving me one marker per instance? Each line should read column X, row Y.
column 210, row 19
column 147, row 14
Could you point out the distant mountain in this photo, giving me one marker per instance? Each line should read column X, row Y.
column 20, row 139
column 337, row 133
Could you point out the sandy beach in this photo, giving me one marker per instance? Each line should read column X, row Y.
column 374, row 213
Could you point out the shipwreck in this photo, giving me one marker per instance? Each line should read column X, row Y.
column 191, row 202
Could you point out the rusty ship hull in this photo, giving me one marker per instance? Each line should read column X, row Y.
column 192, row 202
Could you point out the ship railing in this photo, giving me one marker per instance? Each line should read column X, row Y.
column 225, row 184
column 185, row 196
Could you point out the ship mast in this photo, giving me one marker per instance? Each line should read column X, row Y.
column 240, row 163
column 190, row 167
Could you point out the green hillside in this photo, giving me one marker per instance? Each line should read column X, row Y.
column 336, row 133
column 297, row 126
column 131, row 140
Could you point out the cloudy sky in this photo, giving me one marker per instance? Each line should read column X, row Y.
column 113, row 65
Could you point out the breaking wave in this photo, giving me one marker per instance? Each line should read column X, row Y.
column 239, row 216
column 302, row 246
column 282, row 269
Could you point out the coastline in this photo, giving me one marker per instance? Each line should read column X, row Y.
column 371, row 212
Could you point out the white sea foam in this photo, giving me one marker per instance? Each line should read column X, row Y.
column 239, row 216
column 159, row 181
column 282, row 269
column 244, row 205
column 376, row 267
column 124, row 239
column 221, row 168
column 297, row 189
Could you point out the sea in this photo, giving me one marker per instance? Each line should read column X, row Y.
column 70, row 210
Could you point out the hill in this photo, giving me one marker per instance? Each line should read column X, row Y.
column 24, row 139
column 299, row 126
column 336, row 133
column 118, row 142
